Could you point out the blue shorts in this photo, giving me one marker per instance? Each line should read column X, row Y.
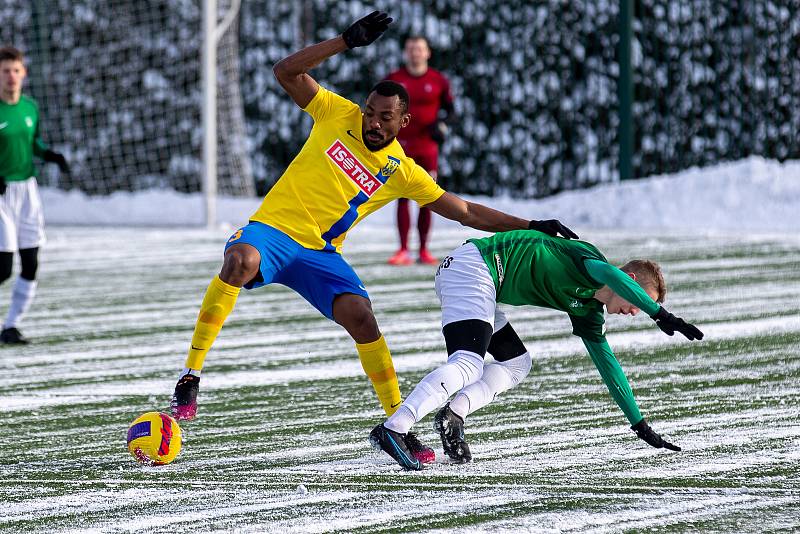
column 318, row 276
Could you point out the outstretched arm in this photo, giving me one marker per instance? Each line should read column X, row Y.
column 614, row 378
column 484, row 218
column 624, row 286
column 292, row 71
column 620, row 389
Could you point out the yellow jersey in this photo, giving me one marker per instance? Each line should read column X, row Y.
column 335, row 181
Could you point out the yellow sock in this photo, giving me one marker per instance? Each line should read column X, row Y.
column 377, row 363
column 217, row 305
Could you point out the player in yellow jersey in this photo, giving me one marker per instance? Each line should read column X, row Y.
column 350, row 166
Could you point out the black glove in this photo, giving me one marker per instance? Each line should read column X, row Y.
column 58, row 159
column 364, row 31
column 552, row 227
column 670, row 324
column 2, row 185
column 438, row 132
column 644, row 432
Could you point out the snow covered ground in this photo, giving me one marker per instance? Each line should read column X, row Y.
column 280, row 443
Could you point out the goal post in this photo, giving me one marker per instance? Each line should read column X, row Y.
column 212, row 34
column 138, row 96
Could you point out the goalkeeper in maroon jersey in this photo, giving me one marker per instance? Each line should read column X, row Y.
column 431, row 109
column 518, row 268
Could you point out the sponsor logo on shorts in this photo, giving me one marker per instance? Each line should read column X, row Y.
column 236, row 235
column 352, row 168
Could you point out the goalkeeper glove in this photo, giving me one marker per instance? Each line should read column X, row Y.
column 364, row 31
column 58, row 159
column 552, row 227
column 438, row 132
column 644, row 432
column 669, row 324
column 2, row 185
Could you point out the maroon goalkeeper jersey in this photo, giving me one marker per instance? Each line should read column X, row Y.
column 427, row 94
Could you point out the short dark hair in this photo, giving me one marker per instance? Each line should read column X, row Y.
column 390, row 88
column 417, row 37
column 9, row 53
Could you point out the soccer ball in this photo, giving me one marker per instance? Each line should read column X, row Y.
column 154, row 438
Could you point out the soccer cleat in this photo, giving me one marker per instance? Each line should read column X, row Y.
column 12, row 336
column 451, row 429
column 401, row 257
column 419, row 450
column 184, row 400
column 427, row 258
column 394, row 444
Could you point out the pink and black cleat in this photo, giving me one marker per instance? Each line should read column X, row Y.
column 419, row 450
column 184, row 400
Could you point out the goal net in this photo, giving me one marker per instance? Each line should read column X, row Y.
column 119, row 89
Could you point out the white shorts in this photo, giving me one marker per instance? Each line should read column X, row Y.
column 466, row 290
column 21, row 216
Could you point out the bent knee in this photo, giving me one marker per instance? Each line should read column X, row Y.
column 355, row 314
column 242, row 263
column 518, row 367
column 469, row 364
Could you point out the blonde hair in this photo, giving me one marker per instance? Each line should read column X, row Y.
column 648, row 274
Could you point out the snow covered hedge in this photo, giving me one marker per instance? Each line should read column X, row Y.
column 535, row 84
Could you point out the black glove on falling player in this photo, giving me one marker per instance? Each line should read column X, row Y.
column 670, row 324
column 58, row 159
column 644, row 432
column 552, row 227
column 364, row 31
column 2, row 185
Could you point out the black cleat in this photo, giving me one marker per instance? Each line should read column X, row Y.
column 184, row 400
column 394, row 444
column 12, row 336
column 451, row 429
column 419, row 450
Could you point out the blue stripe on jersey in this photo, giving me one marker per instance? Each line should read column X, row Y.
column 347, row 220
column 343, row 225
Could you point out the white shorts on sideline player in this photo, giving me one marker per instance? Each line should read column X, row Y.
column 466, row 290
column 21, row 216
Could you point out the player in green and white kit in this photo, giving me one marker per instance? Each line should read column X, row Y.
column 524, row 267
column 21, row 219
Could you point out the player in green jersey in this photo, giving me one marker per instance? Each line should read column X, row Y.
column 524, row 267
column 21, row 219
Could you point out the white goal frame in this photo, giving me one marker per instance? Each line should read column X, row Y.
column 212, row 32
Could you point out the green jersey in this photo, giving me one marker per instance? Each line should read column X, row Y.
column 530, row 267
column 19, row 139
